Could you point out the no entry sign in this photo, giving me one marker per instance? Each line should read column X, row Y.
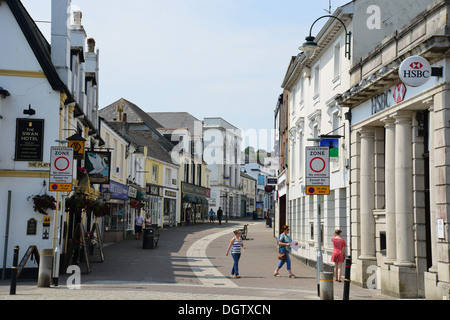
column 317, row 170
column 61, row 169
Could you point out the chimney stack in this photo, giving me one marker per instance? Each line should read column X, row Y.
column 60, row 39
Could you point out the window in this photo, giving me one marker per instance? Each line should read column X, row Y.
column 154, row 173
column 337, row 61
column 316, row 82
column 168, row 176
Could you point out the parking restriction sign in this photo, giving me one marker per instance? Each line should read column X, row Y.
column 317, row 170
column 61, row 169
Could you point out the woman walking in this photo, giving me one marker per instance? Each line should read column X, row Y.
column 338, row 254
column 235, row 245
column 284, row 241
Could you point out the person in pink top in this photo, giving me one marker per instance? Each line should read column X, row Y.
column 338, row 254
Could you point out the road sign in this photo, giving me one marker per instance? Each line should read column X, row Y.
column 61, row 169
column 317, row 170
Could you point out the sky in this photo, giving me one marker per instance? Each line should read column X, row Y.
column 211, row 58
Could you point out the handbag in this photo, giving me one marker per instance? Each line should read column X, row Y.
column 282, row 256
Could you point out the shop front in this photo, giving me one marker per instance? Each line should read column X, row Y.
column 170, row 207
column 155, row 204
column 115, row 223
column 194, row 207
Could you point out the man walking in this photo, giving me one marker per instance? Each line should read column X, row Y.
column 219, row 215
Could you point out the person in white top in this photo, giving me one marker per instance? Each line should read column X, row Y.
column 138, row 225
column 235, row 246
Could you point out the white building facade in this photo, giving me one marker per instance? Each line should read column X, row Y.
column 222, row 153
column 400, row 165
column 48, row 95
column 314, row 81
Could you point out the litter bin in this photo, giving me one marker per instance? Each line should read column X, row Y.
column 148, row 238
column 255, row 215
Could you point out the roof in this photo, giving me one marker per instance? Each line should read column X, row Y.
column 135, row 115
column 175, row 120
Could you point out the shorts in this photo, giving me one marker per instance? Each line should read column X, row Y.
column 138, row 229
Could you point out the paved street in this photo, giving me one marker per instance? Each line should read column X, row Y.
column 189, row 263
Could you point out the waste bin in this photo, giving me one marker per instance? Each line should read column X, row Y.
column 255, row 215
column 148, row 238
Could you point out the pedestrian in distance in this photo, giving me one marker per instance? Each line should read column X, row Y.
column 219, row 215
column 138, row 225
column 211, row 216
column 338, row 254
column 284, row 243
column 148, row 221
column 235, row 246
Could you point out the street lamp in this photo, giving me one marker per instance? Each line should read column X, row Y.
column 107, row 195
column 311, row 46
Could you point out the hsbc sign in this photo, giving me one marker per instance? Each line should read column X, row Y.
column 415, row 71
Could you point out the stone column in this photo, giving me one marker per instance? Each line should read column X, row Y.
column 404, row 190
column 367, row 195
column 391, row 245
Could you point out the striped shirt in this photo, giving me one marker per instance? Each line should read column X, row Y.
column 236, row 248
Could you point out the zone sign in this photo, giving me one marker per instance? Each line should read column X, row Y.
column 317, row 170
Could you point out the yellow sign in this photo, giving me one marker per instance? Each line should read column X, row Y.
column 46, row 221
column 317, row 190
column 78, row 148
column 60, row 187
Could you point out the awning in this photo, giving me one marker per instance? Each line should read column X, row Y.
column 190, row 198
column 202, row 200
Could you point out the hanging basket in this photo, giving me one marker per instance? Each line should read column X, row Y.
column 41, row 203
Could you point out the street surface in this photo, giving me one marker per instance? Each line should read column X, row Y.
column 189, row 263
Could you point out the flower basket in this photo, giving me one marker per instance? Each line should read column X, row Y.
column 137, row 204
column 41, row 203
column 75, row 204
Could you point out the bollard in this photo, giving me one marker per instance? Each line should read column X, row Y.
column 326, row 286
column 12, row 288
column 348, row 266
column 45, row 268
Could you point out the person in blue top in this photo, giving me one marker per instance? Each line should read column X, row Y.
column 284, row 241
column 211, row 216
column 235, row 245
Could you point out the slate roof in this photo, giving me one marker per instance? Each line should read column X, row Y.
column 135, row 115
column 174, row 120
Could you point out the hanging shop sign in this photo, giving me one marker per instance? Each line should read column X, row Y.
column 414, row 71
column 61, row 169
column 98, row 164
column 77, row 142
column 29, row 139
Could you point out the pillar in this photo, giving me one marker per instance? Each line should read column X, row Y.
column 367, row 195
column 391, row 245
column 404, row 190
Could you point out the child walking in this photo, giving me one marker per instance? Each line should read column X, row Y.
column 235, row 245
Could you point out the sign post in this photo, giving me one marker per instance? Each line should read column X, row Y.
column 318, row 183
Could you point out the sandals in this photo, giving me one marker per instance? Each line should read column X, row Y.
column 292, row 276
column 277, row 274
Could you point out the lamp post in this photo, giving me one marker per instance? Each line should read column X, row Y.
column 310, row 45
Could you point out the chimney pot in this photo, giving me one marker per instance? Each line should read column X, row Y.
column 91, row 45
column 77, row 15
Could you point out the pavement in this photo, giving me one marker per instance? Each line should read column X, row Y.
column 189, row 264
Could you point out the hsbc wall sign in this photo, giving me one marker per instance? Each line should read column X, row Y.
column 414, row 71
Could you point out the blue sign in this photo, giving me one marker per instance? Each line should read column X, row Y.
column 118, row 190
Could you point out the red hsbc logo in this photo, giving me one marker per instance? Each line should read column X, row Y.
column 399, row 92
column 416, row 65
